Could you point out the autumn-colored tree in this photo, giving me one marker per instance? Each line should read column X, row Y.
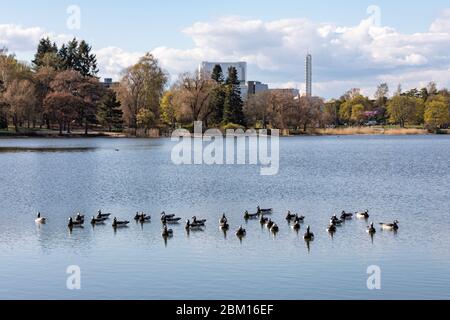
column 170, row 108
column 346, row 108
column 20, row 96
column 358, row 113
column 43, row 78
column 145, row 119
column 405, row 109
column 142, row 87
column 61, row 107
column 437, row 113
column 87, row 89
column 257, row 109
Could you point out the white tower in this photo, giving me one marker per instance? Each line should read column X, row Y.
column 308, row 75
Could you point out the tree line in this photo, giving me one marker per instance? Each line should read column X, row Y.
column 60, row 90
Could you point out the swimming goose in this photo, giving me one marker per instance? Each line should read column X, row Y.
column 166, row 216
column 192, row 226
column 166, row 233
column 390, row 226
column 299, row 219
column 198, row 221
column 331, row 228
column 248, row 216
column 223, row 220
column 309, row 236
column 138, row 215
column 241, row 232
column 97, row 220
column 224, row 226
column 263, row 220
column 346, row 216
column 371, row 229
column 79, row 217
column 101, row 215
column 296, row 226
column 144, row 218
column 335, row 221
column 74, row 224
column 119, row 224
column 40, row 219
column 275, row 228
column 264, row 211
column 363, row 215
column 173, row 220
column 290, row 216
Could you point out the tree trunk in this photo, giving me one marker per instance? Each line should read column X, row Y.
column 60, row 128
column 86, row 127
column 68, row 127
column 16, row 123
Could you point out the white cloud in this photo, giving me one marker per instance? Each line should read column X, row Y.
column 24, row 39
column 112, row 60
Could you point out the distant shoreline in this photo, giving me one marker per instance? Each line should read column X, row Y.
column 351, row 131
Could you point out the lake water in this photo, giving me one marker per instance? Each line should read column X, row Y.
column 404, row 178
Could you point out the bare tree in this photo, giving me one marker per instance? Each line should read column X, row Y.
column 20, row 96
column 194, row 92
column 142, row 87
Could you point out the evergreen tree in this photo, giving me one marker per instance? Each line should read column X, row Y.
column 67, row 54
column 77, row 56
column 45, row 50
column 85, row 62
column 233, row 106
column 218, row 95
column 110, row 113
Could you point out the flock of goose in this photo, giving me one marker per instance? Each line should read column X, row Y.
column 294, row 221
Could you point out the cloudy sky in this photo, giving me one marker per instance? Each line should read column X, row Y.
column 355, row 43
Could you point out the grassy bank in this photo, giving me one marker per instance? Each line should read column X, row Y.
column 372, row 131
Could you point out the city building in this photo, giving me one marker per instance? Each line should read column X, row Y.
column 255, row 87
column 308, row 77
column 291, row 91
column 108, row 83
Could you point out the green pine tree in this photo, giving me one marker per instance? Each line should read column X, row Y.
column 78, row 56
column 233, row 106
column 85, row 61
column 109, row 113
column 45, row 49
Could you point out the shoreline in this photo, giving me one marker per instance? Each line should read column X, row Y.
column 362, row 131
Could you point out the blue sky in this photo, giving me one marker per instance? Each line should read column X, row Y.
column 171, row 27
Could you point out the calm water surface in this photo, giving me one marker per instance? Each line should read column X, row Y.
column 404, row 178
